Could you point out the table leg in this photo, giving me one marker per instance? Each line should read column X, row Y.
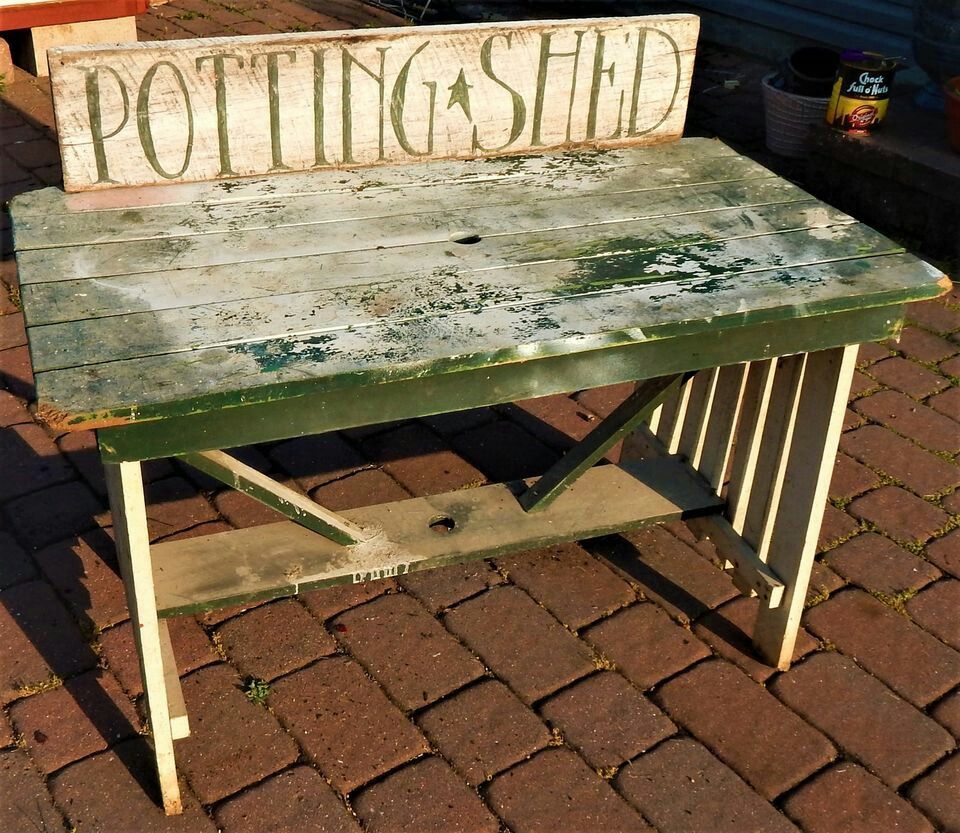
column 772, row 428
column 823, row 394
column 125, row 486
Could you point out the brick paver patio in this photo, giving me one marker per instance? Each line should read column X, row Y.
column 603, row 687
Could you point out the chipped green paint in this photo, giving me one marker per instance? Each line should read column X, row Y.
column 273, row 356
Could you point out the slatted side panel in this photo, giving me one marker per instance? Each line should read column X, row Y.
column 734, row 425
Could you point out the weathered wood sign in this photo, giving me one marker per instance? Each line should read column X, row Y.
column 224, row 107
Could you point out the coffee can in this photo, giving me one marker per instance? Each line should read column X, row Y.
column 861, row 91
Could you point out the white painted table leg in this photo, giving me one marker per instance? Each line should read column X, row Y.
column 824, row 391
column 125, row 486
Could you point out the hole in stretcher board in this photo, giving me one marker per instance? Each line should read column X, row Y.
column 442, row 524
column 464, row 236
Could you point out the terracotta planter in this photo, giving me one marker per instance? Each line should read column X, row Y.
column 952, row 94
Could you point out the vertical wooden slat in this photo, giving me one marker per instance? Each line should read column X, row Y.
column 824, row 392
column 697, row 418
column 671, row 421
column 125, row 487
column 654, row 422
column 749, row 430
column 718, row 441
column 775, row 443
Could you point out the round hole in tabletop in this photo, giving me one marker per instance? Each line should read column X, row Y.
column 442, row 524
column 466, row 237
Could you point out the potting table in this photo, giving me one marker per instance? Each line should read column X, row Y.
column 182, row 319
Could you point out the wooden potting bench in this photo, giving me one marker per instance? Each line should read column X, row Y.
column 270, row 270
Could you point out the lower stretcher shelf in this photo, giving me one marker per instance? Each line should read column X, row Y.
column 284, row 558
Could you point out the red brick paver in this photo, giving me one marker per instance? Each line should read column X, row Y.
column 900, row 514
column 406, row 650
column 916, row 468
column 682, row 788
column 85, row 715
column 861, row 715
column 631, row 724
column 443, row 587
column 296, row 800
column 25, row 803
column 344, row 723
column 568, row 581
column 937, row 610
column 877, row 564
column 520, row 642
column 39, row 640
column 938, row 795
column 483, row 730
column 557, row 791
column 233, row 742
column 758, row 737
column 847, row 797
column 274, row 639
column 106, row 792
column 396, row 804
column 912, row 662
column 645, row 644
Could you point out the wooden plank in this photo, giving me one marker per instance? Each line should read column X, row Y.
column 752, row 576
column 823, row 401
column 197, row 275
column 179, row 721
column 282, row 559
column 343, row 196
column 718, row 440
column 299, row 508
column 168, row 384
column 44, row 38
column 775, row 445
column 673, row 417
column 749, row 432
column 228, row 107
column 697, row 417
column 624, row 419
column 432, row 295
column 26, row 14
column 293, row 412
column 496, row 265
column 52, row 202
column 417, row 208
column 125, row 487
column 492, row 216
column 655, row 418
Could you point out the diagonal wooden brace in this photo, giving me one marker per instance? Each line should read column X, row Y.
column 631, row 412
column 750, row 575
column 281, row 498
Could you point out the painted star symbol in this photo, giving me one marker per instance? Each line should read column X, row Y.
column 460, row 94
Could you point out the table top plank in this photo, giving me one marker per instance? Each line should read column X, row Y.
column 492, row 264
column 435, row 224
column 152, row 387
column 50, row 202
column 48, row 221
column 335, row 222
column 438, row 291
column 576, row 252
